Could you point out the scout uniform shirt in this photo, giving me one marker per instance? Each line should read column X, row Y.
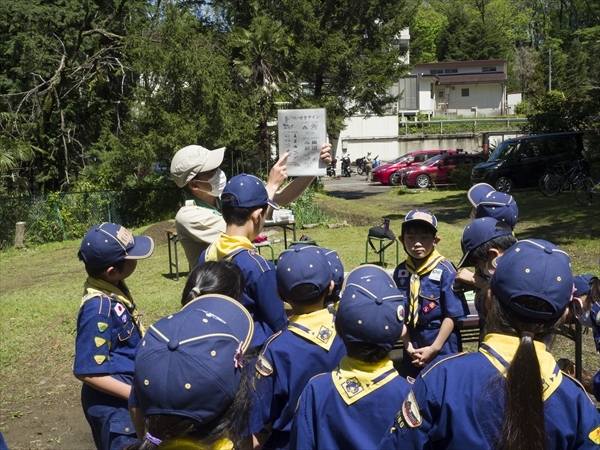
column 458, row 403
column 198, row 225
column 289, row 359
column 348, row 408
column 260, row 291
column 430, row 300
column 108, row 333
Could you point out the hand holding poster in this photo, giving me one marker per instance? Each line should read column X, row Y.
column 301, row 134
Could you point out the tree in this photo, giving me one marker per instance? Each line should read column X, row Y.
column 62, row 68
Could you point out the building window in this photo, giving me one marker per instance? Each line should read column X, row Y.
column 451, row 71
column 436, row 71
column 464, row 92
column 488, row 69
column 441, row 94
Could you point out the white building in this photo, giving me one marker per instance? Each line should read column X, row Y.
column 461, row 88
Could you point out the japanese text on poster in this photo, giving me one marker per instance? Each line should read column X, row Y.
column 301, row 134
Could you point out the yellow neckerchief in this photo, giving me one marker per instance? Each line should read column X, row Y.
column 203, row 204
column 95, row 287
column 318, row 327
column 225, row 245
column 355, row 379
column 186, row 443
column 415, row 282
column 500, row 349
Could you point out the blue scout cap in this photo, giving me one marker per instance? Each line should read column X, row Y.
column 422, row 216
column 537, row 268
column 583, row 284
column 478, row 232
column 337, row 269
column 107, row 244
column 490, row 203
column 371, row 308
column 248, row 192
column 189, row 363
column 302, row 264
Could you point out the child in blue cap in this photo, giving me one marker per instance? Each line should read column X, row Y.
column 483, row 241
column 426, row 280
column 244, row 205
column 586, row 309
column 348, row 408
column 488, row 202
column 510, row 394
column 108, row 331
column 310, row 344
column 190, row 377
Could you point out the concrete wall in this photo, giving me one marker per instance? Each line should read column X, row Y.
column 483, row 99
column 379, row 135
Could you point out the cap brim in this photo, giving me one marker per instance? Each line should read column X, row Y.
column 215, row 158
column 463, row 260
column 142, row 249
column 229, row 310
column 478, row 192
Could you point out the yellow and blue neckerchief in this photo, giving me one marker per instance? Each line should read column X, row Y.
column 225, row 246
column 317, row 327
column 433, row 259
column 186, row 443
column 500, row 349
column 95, row 287
column 354, row 379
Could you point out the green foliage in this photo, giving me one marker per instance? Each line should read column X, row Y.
column 554, row 112
column 306, row 211
column 461, row 177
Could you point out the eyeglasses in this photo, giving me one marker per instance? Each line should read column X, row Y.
column 205, row 176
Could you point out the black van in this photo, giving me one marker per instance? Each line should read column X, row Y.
column 520, row 162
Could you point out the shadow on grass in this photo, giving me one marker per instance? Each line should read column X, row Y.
column 350, row 195
column 560, row 219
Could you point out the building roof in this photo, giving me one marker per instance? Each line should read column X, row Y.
column 471, row 78
column 448, row 64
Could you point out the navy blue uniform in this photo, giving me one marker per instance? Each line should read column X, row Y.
column 437, row 301
column 106, row 343
column 287, row 362
column 595, row 316
column 260, row 293
column 458, row 403
column 348, row 408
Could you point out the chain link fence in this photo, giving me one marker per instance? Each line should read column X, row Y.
column 58, row 217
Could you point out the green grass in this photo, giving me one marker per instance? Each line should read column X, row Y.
column 40, row 288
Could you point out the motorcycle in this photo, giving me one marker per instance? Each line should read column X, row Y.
column 331, row 169
column 361, row 165
column 346, row 170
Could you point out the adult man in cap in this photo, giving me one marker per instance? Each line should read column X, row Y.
column 196, row 169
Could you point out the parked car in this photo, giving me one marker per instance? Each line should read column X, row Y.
column 437, row 170
column 520, row 162
column 384, row 171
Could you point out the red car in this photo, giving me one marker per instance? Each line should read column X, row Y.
column 437, row 170
column 383, row 172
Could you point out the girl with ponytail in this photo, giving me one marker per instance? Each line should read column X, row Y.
column 510, row 394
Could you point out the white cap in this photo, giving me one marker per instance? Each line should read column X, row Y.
column 192, row 160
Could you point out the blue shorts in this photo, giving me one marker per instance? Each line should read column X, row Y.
column 109, row 419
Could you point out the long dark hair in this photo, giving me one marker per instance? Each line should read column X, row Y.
column 523, row 425
column 229, row 424
column 213, row 277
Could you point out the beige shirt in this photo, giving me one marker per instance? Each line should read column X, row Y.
column 198, row 225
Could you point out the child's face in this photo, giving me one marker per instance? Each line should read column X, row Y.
column 419, row 244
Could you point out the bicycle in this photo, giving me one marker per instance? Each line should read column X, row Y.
column 586, row 190
column 562, row 177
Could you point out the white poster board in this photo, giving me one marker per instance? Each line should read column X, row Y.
column 301, row 134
